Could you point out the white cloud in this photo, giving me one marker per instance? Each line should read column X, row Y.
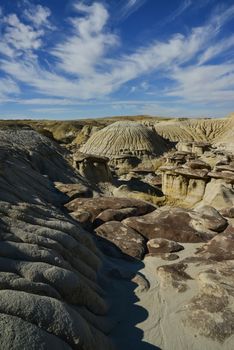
column 83, row 69
column 20, row 35
column 38, row 15
column 178, row 12
column 129, row 7
column 8, row 88
column 204, row 83
column 216, row 49
column 85, row 48
column 48, row 101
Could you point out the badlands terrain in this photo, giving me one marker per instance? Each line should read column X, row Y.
column 117, row 234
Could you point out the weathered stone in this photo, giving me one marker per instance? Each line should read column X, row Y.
column 208, row 218
column 126, row 239
column 210, row 312
column 219, row 248
column 50, row 296
column 162, row 245
column 174, row 275
column 97, row 206
column 218, row 194
column 94, row 168
column 114, row 215
column 227, row 212
column 198, row 164
column 175, row 224
column 169, row 257
column 121, row 138
column 143, row 284
column 74, row 190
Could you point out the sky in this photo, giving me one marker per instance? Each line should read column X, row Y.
column 71, row 59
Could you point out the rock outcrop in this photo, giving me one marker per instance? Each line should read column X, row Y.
column 180, row 225
column 162, row 245
column 125, row 139
column 92, row 167
column 97, row 208
column 130, row 243
column 189, row 180
column 50, row 294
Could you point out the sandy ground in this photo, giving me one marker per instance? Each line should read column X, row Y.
column 152, row 319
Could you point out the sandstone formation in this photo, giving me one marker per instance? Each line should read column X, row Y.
column 94, row 168
column 180, row 225
column 189, row 180
column 198, row 130
column 96, row 207
column 162, row 245
column 50, row 293
column 198, row 148
column 71, row 251
column 85, row 133
column 219, row 248
column 125, row 238
column 78, row 190
column 125, row 139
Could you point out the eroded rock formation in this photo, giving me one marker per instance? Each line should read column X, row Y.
column 92, row 167
column 50, row 293
column 192, row 178
column 126, row 143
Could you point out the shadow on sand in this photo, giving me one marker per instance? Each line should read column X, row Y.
column 126, row 335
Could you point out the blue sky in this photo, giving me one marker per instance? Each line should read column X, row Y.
column 75, row 59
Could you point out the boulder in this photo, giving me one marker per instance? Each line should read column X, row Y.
column 74, row 190
column 174, row 275
column 114, row 215
column 177, row 224
column 209, row 312
column 219, row 248
column 96, row 206
column 198, row 164
column 162, row 245
column 228, row 212
column 130, row 243
column 218, row 194
column 209, row 218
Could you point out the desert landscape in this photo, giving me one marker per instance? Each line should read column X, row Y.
column 117, row 234
column 117, row 175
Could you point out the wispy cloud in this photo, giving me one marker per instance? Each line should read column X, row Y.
column 82, row 52
column 37, row 15
column 178, row 12
column 80, row 67
column 8, row 88
column 204, row 83
column 128, row 7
